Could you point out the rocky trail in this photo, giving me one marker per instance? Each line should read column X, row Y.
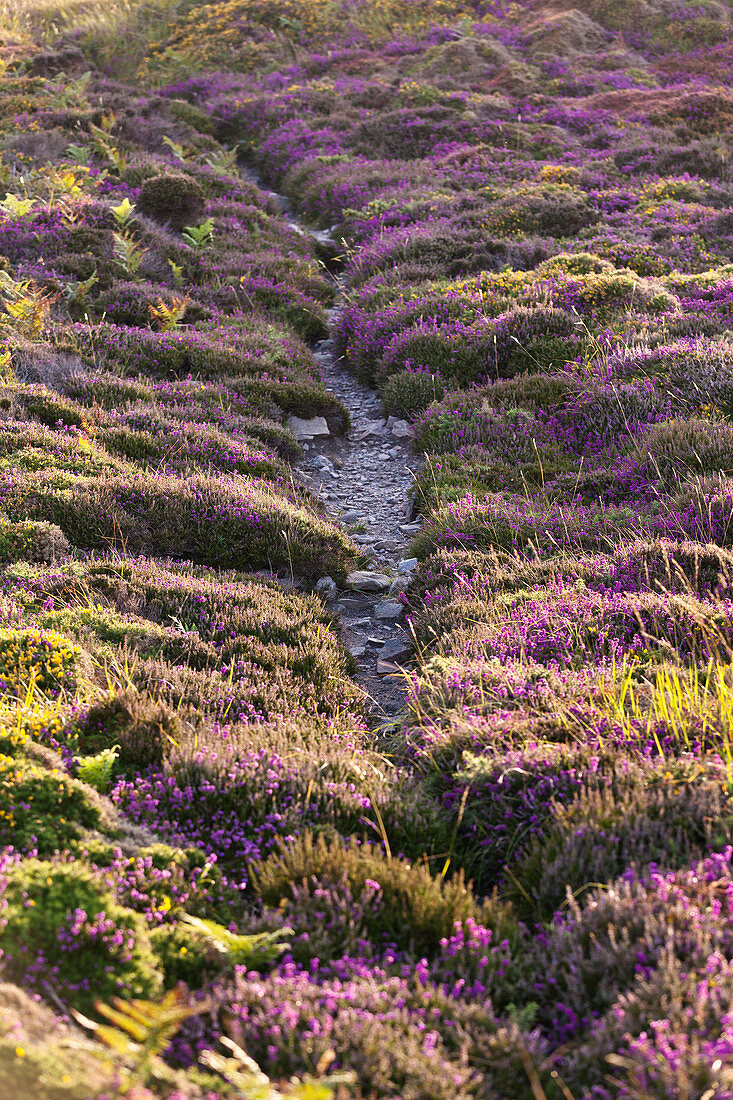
column 363, row 479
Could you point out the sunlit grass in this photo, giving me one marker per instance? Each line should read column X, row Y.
column 694, row 706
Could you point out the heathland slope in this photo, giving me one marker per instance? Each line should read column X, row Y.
column 430, row 298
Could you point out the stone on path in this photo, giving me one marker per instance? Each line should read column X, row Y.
column 308, row 429
column 364, row 581
column 407, row 565
column 389, row 609
column 396, row 649
column 400, row 429
column 386, row 668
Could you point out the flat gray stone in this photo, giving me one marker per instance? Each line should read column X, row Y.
column 389, row 609
column 396, row 649
column 363, row 581
column 407, row 565
column 386, row 668
column 308, row 429
column 357, row 650
column 400, row 429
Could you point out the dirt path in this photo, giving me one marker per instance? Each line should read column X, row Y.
column 363, row 478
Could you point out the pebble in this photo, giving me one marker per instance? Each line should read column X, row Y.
column 357, row 650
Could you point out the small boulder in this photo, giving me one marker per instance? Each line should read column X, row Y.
column 396, row 649
column 363, row 581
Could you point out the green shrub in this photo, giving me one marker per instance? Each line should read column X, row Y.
column 62, row 926
column 226, row 523
column 43, row 809
column 553, row 209
column 184, row 955
column 173, row 198
column 143, row 729
column 29, row 541
column 410, row 392
column 414, row 909
column 47, row 659
column 603, row 832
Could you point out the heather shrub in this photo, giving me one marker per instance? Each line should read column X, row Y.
column 154, row 440
column 507, row 521
column 670, row 1029
column 625, row 824
column 599, row 413
column 406, row 906
column 499, row 802
column 29, row 541
column 229, row 524
column 675, row 450
column 173, row 198
column 697, row 373
column 521, row 339
column 609, row 939
column 61, row 926
column 377, row 1040
column 463, row 420
column 409, row 392
column 34, row 402
column 235, row 797
column 126, row 303
column 550, row 209
column 409, row 133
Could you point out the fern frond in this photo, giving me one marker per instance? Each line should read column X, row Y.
column 253, row 951
column 15, row 207
column 27, row 305
column 169, row 316
column 97, row 770
column 199, row 237
column 144, row 1029
column 128, row 254
column 123, row 212
column 178, row 151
